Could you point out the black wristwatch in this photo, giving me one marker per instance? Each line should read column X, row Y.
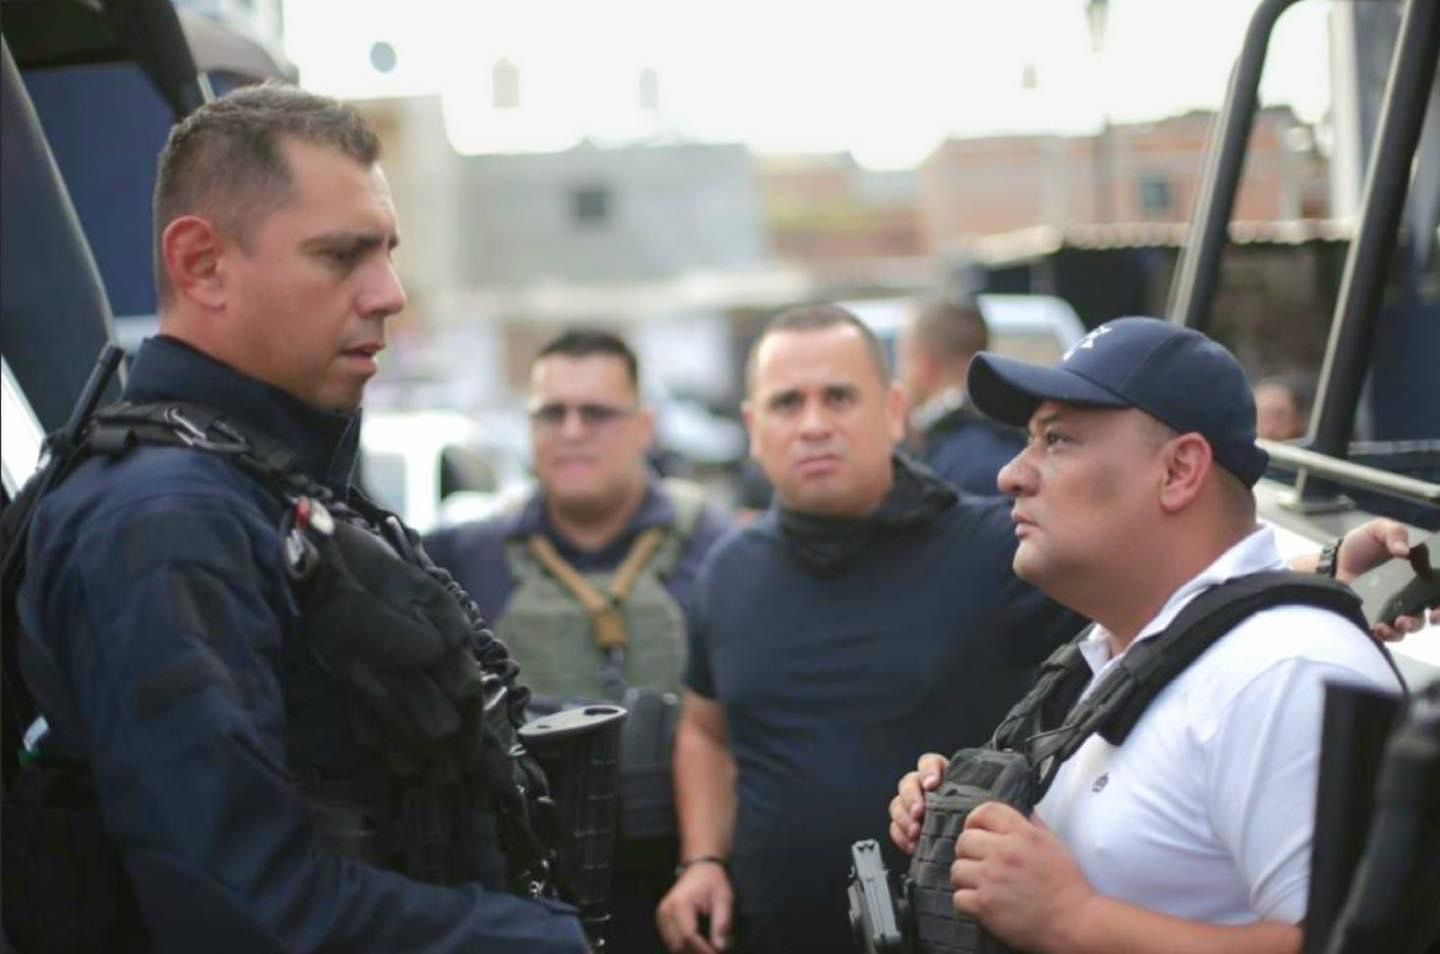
column 1328, row 556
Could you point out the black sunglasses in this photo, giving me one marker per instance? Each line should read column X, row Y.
column 591, row 415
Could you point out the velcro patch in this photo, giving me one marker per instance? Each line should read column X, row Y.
column 202, row 537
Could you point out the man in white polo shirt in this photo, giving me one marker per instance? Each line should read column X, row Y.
column 1133, row 497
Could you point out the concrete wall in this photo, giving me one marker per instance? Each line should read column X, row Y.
column 628, row 214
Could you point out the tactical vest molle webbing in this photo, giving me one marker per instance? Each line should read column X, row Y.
column 590, row 636
column 430, row 693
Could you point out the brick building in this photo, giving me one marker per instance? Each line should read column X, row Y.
column 1142, row 172
column 824, row 209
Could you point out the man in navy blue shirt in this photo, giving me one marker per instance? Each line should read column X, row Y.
column 168, row 642
column 589, row 583
column 871, row 607
column 953, row 438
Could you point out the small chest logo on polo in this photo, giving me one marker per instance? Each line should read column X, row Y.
column 1100, row 783
column 1088, row 342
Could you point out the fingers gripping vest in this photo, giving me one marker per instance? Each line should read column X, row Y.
column 556, row 640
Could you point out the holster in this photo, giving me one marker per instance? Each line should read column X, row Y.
column 647, row 746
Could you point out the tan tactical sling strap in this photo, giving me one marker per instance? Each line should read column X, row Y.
column 606, row 618
column 689, row 500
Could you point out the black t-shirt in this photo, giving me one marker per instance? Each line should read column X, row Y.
column 833, row 685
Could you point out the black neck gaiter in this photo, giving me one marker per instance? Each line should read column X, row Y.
column 827, row 545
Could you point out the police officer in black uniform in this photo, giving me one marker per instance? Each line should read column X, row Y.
column 298, row 732
column 948, row 434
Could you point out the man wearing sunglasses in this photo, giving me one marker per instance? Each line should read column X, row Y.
column 588, row 582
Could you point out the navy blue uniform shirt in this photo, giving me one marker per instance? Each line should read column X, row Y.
column 157, row 614
column 969, row 451
column 834, row 684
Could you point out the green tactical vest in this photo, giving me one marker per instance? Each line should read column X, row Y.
column 551, row 635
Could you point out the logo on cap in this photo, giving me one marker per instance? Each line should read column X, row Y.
column 1088, row 341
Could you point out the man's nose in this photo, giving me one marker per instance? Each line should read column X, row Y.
column 383, row 295
column 572, row 425
column 1018, row 476
column 814, row 419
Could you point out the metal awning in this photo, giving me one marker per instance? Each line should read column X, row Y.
column 1028, row 244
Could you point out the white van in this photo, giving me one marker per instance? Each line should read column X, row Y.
column 1035, row 328
column 438, row 467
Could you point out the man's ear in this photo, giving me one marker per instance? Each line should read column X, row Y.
column 190, row 248
column 919, row 370
column 930, row 369
column 747, row 414
column 962, row 368
column 897, row 411
column 1188, row 461
column 647, row 424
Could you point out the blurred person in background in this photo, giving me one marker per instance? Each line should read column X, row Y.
column 870, row 608
column 954, row 439
column 1282, row 406
column 588, row 582
column 753, row 494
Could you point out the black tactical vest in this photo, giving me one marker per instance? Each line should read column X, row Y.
column 401, row 706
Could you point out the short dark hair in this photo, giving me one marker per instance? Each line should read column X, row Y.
column 584, row 342
column 1298, row 384
column 818, row 318
column 950, row 330
column 225, row 162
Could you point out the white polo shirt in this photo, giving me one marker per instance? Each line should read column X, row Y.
column 1206, row 811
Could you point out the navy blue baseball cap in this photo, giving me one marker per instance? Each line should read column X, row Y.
column 1174, row 374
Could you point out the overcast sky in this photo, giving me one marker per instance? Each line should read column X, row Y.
column 887, row 81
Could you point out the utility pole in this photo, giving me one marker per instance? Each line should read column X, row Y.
column 1096, row 14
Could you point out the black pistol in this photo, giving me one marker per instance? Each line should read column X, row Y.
column 877, row 916
column 918, row 915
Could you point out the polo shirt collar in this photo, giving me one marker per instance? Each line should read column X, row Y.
column 1254, row 554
